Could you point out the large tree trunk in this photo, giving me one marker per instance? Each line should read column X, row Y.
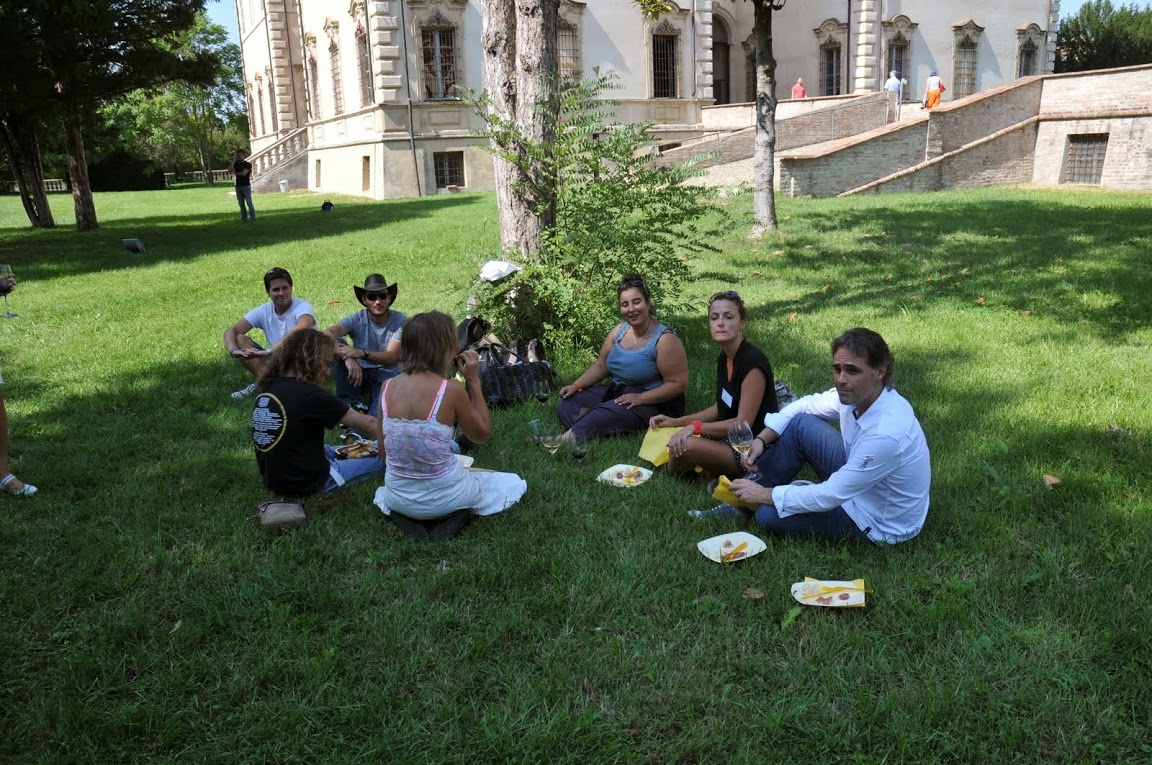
column 519, row 41
column 21, row 144
column 78, row 169
column 764, row 174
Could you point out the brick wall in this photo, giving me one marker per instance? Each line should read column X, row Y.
column 1127, row 162
column 851, row 164
column 1093, row 93
column 959, row 123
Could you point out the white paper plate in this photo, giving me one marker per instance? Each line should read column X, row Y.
column 465, row 460
column 715, row 547
column 625, row 475
column 829, row 594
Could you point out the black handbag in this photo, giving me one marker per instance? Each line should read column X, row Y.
column 508, row 374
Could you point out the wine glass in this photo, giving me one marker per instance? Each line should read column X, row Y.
column 579, row 447
column 7, row 284
column 740, row 437
column 551, row 439
column 541, row 390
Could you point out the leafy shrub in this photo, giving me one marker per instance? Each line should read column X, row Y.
column 617, row 211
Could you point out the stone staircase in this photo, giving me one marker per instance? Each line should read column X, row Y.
column 288, row 157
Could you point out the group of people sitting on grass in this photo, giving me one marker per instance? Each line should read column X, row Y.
column 873, row 473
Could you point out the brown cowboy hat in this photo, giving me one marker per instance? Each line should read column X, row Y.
column 376, row 283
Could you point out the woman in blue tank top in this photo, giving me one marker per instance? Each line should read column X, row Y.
column 646, row 367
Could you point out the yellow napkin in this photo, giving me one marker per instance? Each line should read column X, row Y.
column 724, row 494
column 857, row 586
column 655, row 446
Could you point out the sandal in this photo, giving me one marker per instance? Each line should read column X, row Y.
column 25, row 490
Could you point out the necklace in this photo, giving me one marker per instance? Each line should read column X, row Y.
column 639, row 339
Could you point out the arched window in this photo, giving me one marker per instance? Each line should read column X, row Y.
column 364, row 65
column 898, row 35
column 832, row 36
column 438, row 49
column 966, row 58
column 1029, row 44
column 665, row 59
column 721, row 74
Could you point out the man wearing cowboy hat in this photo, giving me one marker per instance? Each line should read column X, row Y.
column 374, row 354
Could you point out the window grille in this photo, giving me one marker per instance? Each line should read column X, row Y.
column 830, row 68
column 898, row 56
column 365, row 65
column 260, row 105
column 664, row 83
column 1027, row 66
column 449, row 167
column 965, row 67
column 439, row 46
column 567, row 50
column 1084, row 159
column 750, row 77
column 314, row 86
column 337, row 81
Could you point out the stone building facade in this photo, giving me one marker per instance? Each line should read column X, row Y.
column 361, row 96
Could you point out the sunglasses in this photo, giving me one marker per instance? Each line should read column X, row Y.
column 372, row 297
column 725, row 295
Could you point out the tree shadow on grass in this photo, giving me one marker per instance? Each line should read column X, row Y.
column 1074, row 263
column 178, row 236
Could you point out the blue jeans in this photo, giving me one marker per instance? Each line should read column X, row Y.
column 350, row 471
column 372, row 379
column 808, row 440
column 244, row 197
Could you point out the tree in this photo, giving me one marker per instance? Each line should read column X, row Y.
column 1101, row 36
column 178, row 125
column 79, row 53
column 764, row 174
column 519, row 42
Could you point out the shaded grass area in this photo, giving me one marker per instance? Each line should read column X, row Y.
column 148, row 619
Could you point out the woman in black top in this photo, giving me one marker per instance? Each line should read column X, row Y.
column 745, row 390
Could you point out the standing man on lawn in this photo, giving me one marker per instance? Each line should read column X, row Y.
column 360, row 369
column 874, row 472
column 242, row 169
column 279, row 316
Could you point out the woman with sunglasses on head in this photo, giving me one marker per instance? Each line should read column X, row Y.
column 647, row 370
column 426, row 491
column 745, row 390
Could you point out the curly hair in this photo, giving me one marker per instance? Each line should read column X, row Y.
column 429, row 344
column 305, row 354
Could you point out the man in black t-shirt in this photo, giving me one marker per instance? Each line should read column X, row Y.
column 242, row 169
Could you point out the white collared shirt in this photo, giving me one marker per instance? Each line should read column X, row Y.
column 883, row 486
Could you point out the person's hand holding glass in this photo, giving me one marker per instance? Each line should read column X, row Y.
column 740, row 437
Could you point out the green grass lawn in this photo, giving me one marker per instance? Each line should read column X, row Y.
column 146, row 617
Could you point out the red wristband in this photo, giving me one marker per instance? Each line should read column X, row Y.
column 697, row 427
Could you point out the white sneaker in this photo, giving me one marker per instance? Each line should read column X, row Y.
column 244, row 392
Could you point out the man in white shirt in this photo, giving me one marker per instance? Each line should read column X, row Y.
column 894, row 85
column 279, row 316
column 875, row 473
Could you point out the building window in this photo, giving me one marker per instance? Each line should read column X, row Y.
column 439, row 46
column 965, row 58
column 831, row 36
column 364, row 64
column 260, row 104
column 314, row 87
column 749, row 70
column 665, row 81
column 449, row 166
column 316, row 172
column 898, row 55
column 567, row 49
column 1084, row 159
column 721, row 70
column 365, row 173
column 251, row 111
column 1027, row 65
column 1029, row 44
column 898, row 34
column 272, row 100
column 830, row 68
column 337, row 80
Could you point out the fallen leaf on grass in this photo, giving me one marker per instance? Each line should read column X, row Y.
column 1025, row 313
column 778, row 252
column 789, row 617
column 1051, row 480
column 793, row 316
column 826, row 287
column 964, row 271
column 981, row 301
column 753, row 594
column 807, row 246
column 335, row 302
column 886, row 277
column 914, row 297
column 757, row 273
column 178, row 623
